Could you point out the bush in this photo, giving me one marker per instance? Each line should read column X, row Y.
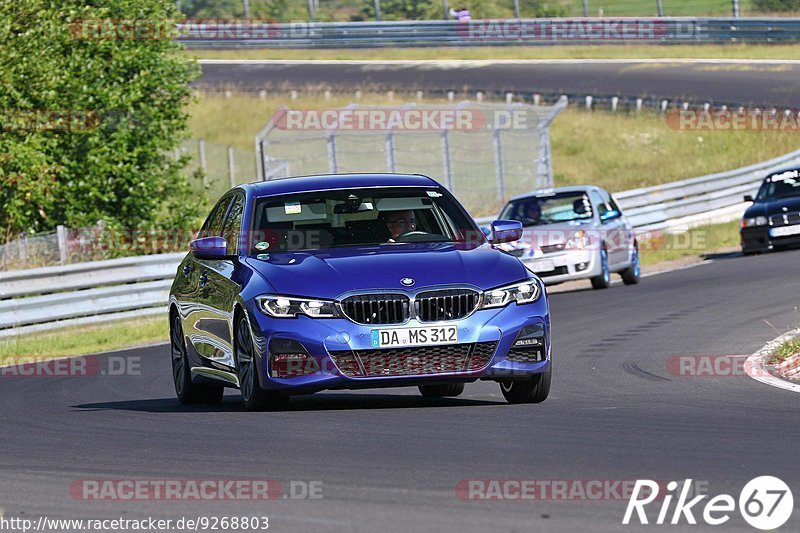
column 89, row 125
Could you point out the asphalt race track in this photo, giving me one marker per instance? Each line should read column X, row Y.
column 390, row 460
column 732, row 83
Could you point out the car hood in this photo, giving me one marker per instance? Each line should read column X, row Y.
column 774, row 207
column 332, row 272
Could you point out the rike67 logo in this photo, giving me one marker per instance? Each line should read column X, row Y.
column 765, row 503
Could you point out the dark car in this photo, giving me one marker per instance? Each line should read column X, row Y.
column 354, row 281
column 773, row 221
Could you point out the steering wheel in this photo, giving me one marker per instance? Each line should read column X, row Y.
column 409, row 234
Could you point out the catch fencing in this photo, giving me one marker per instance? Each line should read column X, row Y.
column 509, row 142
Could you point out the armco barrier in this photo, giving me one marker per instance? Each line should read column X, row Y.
column 508, row 32
column 659, row 207
column 46, row 298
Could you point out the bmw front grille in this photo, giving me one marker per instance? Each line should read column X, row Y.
column 435, row 305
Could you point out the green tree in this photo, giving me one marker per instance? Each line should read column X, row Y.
column 110, row 156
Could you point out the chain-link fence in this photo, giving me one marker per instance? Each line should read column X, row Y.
column 215, row 168
column 484, row 153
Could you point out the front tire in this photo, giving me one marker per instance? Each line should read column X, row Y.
column 187, row 391
column 254, row 397
column 603, row 281
column 441, row 391
column 632, row 274
column 532, row 390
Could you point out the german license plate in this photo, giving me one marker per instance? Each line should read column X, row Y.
column 428, row 336
column 785, row 231
column 542, row 265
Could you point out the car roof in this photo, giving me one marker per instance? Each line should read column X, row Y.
column 322, row 182
column 551, row 190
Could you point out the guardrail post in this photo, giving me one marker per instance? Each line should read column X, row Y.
column 660, row 8
column 390, row 163
column 231, row 168
column 378, row 10
column 311, row 10
column 585, row 8
column 448, row 164
column 61, row 235
column 333, row 166
column 22, row 248
column 516, row 8
column 445, row 10
column 736, row 8
column 544, row 164
column 201, row 147
column 498, row 164
column 247, row 9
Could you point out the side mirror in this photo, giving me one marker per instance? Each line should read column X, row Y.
column 610, row 215
column 209, row 248
column 506, row 231
column 748, row 197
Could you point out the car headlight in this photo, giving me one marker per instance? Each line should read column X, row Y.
column 578, row 241
column 289, row 307
column 755, row 221
column 523, row 293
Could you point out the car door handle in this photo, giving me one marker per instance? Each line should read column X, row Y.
column 187, row 270
column 203, row 279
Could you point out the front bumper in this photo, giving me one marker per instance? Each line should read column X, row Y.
column 758, row 239
column 323, row 338
column 569, row 265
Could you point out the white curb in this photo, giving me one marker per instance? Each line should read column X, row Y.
column 755, row 366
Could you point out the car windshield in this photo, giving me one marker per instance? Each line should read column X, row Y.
column 549, row 208
column 780, row 186
column 358, row 217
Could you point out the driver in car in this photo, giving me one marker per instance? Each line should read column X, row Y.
column 533, row 212
column 400, row 222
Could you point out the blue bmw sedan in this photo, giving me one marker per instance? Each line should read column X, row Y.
column 354, row 281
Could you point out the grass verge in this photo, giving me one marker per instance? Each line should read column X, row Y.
column 640, row 51
column 83, row 340
column 696, row 242
column 785, row 351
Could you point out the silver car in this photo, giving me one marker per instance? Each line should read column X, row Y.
column 573, row 233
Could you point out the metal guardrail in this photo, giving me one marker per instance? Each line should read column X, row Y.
column 47, row 298
column 655, row 208
column 658, row 207
column 507, row 32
